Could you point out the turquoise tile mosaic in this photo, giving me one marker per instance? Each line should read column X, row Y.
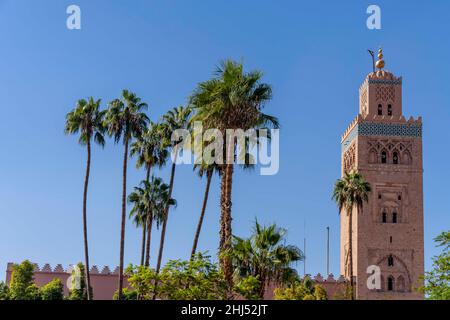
column 382, row 129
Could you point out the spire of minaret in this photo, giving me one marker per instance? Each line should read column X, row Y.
column 380, row 62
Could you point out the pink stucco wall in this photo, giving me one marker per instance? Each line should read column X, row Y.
column 104, row 282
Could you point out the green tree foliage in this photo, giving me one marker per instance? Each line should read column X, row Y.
column 22, row 286
column 437, row 281
column 33, row 293
column 149, row 202
column 127, row 294
column 264, row 256
column 301, row 290
column 249, row 288
column 320, row 293
column 78, row 290
column 4, row 291
column 54, row 290
column 195, row 279
column 344, row 293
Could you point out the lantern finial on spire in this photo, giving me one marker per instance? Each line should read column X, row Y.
column 380, row 62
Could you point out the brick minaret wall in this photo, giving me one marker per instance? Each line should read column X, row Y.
column 387, row 150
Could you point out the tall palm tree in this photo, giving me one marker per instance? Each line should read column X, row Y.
column 87, row 119
column 125, row 120
column 150, row 152
column 208, row 170
column 139, row 216
column 265, row 256
column 149, row 202
column 350, row 192
column 149, row 149
column 232, row 100
column 175, row 119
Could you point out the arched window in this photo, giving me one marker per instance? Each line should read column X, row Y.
column 390, row 261
column 384, row 217
column 380, row 110
column 394, row 217
column 390, row 283
column 389, row 110
column 395, row 157
column 390, row 239
column 383, row 157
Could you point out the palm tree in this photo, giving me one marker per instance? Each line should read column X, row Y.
column 149, row 149
column 175, row 119
column 150, row 152
column 139, row 216
column 87, row 119
column 125, row 120
column 149, row 204
column 265, row 256
column 209, row 171
column 349, row 192
column 232, row 100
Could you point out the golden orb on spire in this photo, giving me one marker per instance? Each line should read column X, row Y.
column 380, row 62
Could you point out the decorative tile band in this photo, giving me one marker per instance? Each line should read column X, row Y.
column 382, row 129
column 381, row 81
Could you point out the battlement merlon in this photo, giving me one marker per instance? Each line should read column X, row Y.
column 59, row 269
column 318, row 278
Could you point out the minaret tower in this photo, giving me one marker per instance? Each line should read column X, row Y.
column 386, row 149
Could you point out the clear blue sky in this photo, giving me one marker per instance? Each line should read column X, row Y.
column 314, row 55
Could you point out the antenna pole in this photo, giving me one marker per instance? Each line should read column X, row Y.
column 328, row 250
column 304, row 248
column 373, row 59
column 304, row 253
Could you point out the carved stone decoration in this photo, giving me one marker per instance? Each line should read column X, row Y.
column 397, row 151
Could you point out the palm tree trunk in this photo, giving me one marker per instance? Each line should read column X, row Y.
column 144, row 229
column 166, row 217
column 350, row 250
column 122, row 227
column 163, row 231
column 149, row 235
column 85, row 235
column 225, row 214
column 262, row 289
column 225, row 224
column 147, row 177
column 209, row 175
column 148, row 225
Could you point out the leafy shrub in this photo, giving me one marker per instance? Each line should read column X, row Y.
column 301, row 290
column 22, row 286
column 54, row 290
column 249, row 288
column 195, row 279
column 4, row 291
